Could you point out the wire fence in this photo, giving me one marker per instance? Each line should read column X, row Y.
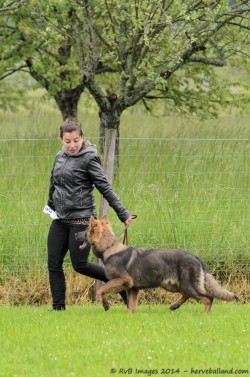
column 187, row 193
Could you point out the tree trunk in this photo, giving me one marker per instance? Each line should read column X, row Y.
column 67, row 101
column 109, row 149
column 108, row 164
column 109, row 120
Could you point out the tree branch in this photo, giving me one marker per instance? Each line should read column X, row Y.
column 10, row 72
column 200, row 59
column 90, row 68
column 239, row 25
column 135, row 95
column 79, row 47
column 12, row 5
column 146, row 105
column 37, row 76
column 37, row 16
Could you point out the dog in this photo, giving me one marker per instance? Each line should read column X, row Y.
column 129, row 268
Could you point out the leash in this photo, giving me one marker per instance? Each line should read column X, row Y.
column 125, row 231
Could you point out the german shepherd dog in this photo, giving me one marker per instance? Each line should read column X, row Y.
column 132, row 269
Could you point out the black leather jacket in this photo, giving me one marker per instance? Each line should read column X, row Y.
column 72, row 182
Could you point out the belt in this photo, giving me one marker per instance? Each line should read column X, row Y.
column 83, row 221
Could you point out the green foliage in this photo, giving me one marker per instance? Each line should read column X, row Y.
column 169, row 50
column 39, row 38
column 147, row 50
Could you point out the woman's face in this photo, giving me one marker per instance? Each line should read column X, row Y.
column 72, row 142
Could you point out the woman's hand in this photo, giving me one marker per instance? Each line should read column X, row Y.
column 128, row 221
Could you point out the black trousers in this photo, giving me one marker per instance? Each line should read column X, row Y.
column 61, row 238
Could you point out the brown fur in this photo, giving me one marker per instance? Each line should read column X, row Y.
column 132, row 269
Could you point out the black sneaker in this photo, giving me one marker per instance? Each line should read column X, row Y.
column 58, row 307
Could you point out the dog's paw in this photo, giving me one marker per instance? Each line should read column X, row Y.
column 105, row 304
column 174, row 307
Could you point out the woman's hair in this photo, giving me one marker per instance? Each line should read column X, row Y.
column 70, row 125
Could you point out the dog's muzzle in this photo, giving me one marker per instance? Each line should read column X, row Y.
column 81, row 237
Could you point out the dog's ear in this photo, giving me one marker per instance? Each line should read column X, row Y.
column 92, row 220
column 105, row 219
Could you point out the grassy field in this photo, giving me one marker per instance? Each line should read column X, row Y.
column 86, row 341
column 188, row 190
column 189, row 187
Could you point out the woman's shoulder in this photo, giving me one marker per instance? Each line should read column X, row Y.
column 59, row 154
column 88, row 148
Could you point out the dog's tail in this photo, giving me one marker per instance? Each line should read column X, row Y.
column 216, row 291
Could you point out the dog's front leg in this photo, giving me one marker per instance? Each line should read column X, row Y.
column 132, row 299
column 113, row 286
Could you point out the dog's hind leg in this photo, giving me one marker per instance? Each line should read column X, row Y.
column 132, row 299
column 193, row 293
column 192, row 285
column 178, row 303
column 113, row 286
column 207, row 301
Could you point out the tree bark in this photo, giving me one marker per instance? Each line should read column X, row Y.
column 109, row 119
column 67, row 101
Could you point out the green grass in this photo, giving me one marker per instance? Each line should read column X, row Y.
column 188, row 193
column 86, row 341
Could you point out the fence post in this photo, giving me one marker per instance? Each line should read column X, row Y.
column 108, row 164
column 108, row 168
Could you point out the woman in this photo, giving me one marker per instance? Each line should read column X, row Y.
column 75, row 173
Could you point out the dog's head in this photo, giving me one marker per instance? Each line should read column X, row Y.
column 96, row 233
